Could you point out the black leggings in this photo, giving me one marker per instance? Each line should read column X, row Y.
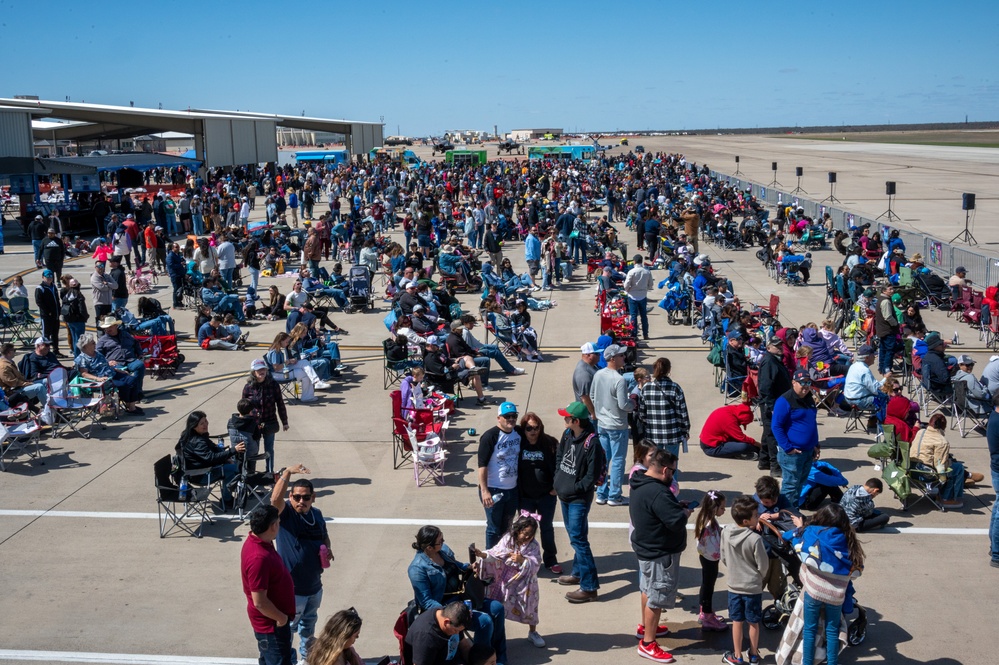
column 709, row 575
column 818, row 494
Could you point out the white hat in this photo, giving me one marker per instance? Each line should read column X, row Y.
column 42, row 340
column 588, row 348
column 257, row 364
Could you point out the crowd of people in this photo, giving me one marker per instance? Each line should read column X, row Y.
column 455, row 222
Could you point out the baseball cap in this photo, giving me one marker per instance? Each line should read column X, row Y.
column 418, row 308
column 614, row 350
column 506, row 408
column 48, row 273
column 410, row 285
column 965, row 359
column 960, row 269
column 801, row 376
column 734, row 334
column 588, row 348
column 775, row 341
column 865, row 350
column 42, row 340
column 576, row 410
column 257, row 364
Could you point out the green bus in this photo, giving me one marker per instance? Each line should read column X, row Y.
column 473, row 157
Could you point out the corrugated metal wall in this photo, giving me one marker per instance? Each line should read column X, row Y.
column 15, row 134
column 267, row 150
column 365, row 137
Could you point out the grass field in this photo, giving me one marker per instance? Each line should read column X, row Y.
column 986, row 138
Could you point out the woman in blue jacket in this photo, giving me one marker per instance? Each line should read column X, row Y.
column 438, row 578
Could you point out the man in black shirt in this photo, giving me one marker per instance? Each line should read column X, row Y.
column 49, row 304
column 435, row 637
column 301, row 544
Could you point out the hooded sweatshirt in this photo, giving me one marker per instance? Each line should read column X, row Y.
column 744, row 555
column 814, row 340
column 660, row 522
column 575, row 466
column 897, row 412
column 726, row 424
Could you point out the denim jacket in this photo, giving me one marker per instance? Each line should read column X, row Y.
column 428, row 579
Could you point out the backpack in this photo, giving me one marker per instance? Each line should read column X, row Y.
column 599, row 460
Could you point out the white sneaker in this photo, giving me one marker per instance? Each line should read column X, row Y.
column 517, row 371
column 536, row 639
column 322, row 385
column 600, row 501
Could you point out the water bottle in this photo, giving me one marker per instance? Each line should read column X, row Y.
column 496, row 497
column 329, row 337
column 324, row 558
column 298, row 389
column 184, row 489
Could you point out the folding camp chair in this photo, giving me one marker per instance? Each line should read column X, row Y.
column 502, row 330
column 160, row 355
column 68, row 411
column 253, row 488
column 168, row 498
column 830, row 289
column 18, row 437
column 286, row 381
column 731, row 385
column 428, row 458
column 857, row 418
column 905, row 277
column 962, row 412
column 424, row 423
column 901, row 475
column 25, row 326
column 393, row 371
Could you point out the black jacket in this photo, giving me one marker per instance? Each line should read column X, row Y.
column 37, row 229
column 935, row 375
column 200, row 452
column 491, row 243
column 53, row 252
column 458, row 347
column 536, row 470
column 47, row 300
column 575, row 470
column 119, row 274
column 660, row 521
column 774, row 379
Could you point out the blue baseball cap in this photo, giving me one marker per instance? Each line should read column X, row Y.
column 506, row 408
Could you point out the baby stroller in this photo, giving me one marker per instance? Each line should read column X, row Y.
column 776, row 615
column 676, row 302
column 360, row 294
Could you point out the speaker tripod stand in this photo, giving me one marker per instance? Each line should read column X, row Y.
column 832, row 195
column 965, row 236
column 889, row 214
column 798, row 189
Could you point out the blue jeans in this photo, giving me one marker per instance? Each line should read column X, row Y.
column 275, row 648
column 158, row 326
column 615, row 445
column 953, row 489
column 178, row 290
column 171, row 219
column 489, row 627
column 498, row 517
column 227, row 276
column 886, row 352
column 577, row 250
column 575, row 515
column 794, row 472
column 231, row 304
column 729, row 449
column 492, row 351
column 75, row 330
column 639, row 308
column 37, row 246
column 306, row 615
column 39, row 391
column 834, row 614
column 471, row 236
column 269, row 449
column 199, row 224
column 118, row 303
column 254, row 278
column 228, row 472
column 544, row 506
column 994, row 522
column 482, row 362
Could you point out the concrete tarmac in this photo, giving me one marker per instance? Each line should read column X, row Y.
column 87, row 579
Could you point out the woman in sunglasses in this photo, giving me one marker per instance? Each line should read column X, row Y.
column 535, row 483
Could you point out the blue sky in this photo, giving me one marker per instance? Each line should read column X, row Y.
column 431, row 66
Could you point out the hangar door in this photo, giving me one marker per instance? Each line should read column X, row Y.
column 229, row 142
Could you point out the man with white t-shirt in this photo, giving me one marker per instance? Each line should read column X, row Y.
column 499, row 455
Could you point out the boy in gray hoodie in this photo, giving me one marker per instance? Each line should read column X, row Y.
column 743, row 553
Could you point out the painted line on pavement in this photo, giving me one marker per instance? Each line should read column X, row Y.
column 122, row 658
column 405, row 521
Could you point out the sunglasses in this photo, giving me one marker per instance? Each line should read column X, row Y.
column 510, row 416
column 301, row 497
column 532, row 428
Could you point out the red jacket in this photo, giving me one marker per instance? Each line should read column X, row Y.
column 726, row 424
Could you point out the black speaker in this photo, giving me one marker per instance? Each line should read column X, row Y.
column 890, row 188
column 798, row 171
column 737, row 159
column 773, row 166
column 967, row 201
column 832, row 177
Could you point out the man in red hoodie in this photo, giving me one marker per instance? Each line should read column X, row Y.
column 722, row 434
